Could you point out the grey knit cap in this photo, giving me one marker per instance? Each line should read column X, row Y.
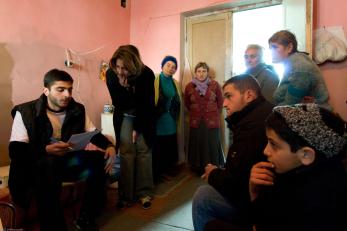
column 306, row 121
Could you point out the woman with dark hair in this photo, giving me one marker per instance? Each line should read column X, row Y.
column 130, row 84
column 204, row 101
column 302, row 79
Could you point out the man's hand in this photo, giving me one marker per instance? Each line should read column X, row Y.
column 110, row 154
column 58, row 148
column 208, row 169
column 261, row 175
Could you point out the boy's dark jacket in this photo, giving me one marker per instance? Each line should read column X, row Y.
column 312, row 198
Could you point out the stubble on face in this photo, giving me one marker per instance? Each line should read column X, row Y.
column 233, row 99
column 59, row 95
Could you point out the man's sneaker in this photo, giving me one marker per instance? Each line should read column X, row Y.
column 84, row 223
column 146, row 202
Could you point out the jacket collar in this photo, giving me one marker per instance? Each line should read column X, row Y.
column 41, row 106
column 236, row 117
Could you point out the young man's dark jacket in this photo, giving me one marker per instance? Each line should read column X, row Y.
column 140, row 97
column 24, row 156
column 249, row 141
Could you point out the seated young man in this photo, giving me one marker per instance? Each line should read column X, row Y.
column 303, row 186
column 226, row 196
column 39, row 164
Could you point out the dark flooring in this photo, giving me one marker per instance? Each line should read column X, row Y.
column 170, row 211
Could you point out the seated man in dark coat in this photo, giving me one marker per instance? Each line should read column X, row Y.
column 226, row 197
column 41, row 158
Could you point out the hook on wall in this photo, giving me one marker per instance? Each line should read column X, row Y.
column 68, row 61
column 123, row 3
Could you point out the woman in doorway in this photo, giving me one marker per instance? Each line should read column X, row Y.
column 167, row 101
column 130, row 84
column 302, row 80
column 204, row 101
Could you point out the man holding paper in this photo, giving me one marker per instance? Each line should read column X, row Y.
column 41, row 156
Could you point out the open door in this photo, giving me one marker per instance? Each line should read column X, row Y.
column 209, row 40
column 298, row 19
column 208, row 37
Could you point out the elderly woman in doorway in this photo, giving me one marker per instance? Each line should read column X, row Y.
column 204, row 101
column 130, row 84
column 167, row 101
column 302, row 80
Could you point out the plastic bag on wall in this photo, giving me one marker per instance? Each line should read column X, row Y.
column 330, row 45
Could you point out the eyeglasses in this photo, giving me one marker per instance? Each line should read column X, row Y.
column 250, row 56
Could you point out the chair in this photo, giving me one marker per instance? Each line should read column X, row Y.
column 7, row 215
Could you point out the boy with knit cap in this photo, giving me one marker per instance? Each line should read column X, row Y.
column 303, row 186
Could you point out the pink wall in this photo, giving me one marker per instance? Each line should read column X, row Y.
column 155, row 27
column 156, row 30
column 33, row 38
column 333, row 13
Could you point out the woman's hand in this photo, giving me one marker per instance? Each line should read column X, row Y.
column 110, row 154
column 123, row 81
column 261, row 175
column 135, row 135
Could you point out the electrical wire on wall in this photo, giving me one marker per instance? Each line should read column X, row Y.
column 73, row 60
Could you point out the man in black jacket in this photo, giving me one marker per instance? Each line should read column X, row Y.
column 226, row 197
column 41, row 158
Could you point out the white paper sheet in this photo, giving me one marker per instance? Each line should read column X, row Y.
column 80, row 141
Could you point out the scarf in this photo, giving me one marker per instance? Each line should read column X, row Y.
column 201, row 87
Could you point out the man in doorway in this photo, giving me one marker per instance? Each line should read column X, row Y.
column 41, row 158
column 226, row 196
column 263, row 73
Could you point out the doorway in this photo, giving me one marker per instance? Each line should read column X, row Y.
column 220, row 36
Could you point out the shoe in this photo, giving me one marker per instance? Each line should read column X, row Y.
column 85, row 223
column 121, row 204
column 146, row 202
